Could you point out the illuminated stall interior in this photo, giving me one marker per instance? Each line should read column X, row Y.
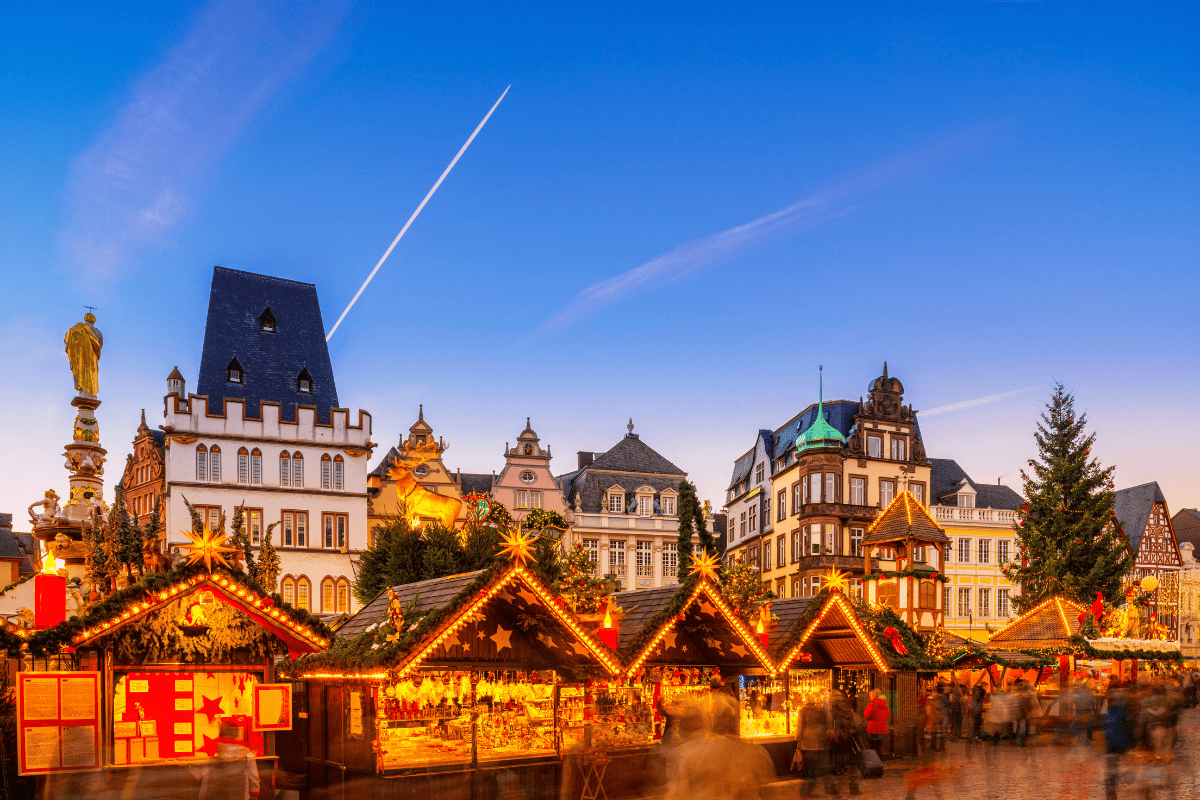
column 489, row 667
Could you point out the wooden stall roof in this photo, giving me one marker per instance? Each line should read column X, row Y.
column 984, row 659
column 1051, row 623
column 787, row 612
column 905, row 518
column 502, row 618
column 689, row 624
column 430, row 595
column 225, row 587
column 832, row 636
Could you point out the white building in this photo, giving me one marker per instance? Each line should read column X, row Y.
column 265, row 433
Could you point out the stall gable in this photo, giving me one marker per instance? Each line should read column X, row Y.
column 515, row 599
column 835, row 637
column 1051, row 623
column 298, row 638
column 710, row 626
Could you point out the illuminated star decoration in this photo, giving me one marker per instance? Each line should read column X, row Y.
column 517, row 546
column 837, row 580
column 211, row 707
column 705, row 566
column 207, row 547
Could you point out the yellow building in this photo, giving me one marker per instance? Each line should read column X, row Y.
column 831, row 469
column 979, row 520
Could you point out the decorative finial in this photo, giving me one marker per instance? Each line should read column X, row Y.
column 421, row 413
column 143, row 417
column 885, row 369
column 527, row 425
column 629, row 427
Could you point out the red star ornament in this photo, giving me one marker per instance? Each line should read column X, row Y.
column 210, row 746
column 211, row 707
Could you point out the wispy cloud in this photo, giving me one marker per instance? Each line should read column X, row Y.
column 132, row 185
column 832, row 201
column 978, row 401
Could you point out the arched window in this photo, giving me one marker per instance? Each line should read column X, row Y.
column 234, row 373
column 256, row 467
column 343, row 596
column 326, row 471
column 243, row 465
column 297, row 470
column 201, row 462
column 266, row 321
column 285, row 468
column 888, row 593
column 327, row 596
column 289, row 590
column 303, row 588
column 339, row 473
column 214, row 464
column 304, row 382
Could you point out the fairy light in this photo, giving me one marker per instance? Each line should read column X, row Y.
column 840, row 602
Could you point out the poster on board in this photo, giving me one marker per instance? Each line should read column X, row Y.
column 273, row 707
column 58, row 722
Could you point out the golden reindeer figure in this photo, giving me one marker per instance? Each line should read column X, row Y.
column 419, row 501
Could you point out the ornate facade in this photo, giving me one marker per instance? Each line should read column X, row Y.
column 144, row 481
column 1142, row 514
column 525, row 482
column 835, row 466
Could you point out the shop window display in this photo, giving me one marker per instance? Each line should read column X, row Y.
column 764, row 706
column 805, row 685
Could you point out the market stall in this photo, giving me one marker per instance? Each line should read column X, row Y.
column 146, row 685
column 457, row 686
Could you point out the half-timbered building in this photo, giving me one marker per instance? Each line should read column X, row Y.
column 1141, row 513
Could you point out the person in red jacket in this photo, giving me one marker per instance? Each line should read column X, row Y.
column 877, row 716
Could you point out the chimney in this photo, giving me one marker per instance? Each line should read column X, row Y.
column 586, row 458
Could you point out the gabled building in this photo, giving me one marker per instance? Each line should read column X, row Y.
column 1141, row 512
column 626, row 507
column 266, row 433
column 835, row 466
column 748, row 504
column 144, row 481
column 525, row 482
column 979, row 519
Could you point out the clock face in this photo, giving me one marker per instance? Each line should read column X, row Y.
column 421, row 471
column 528, row 477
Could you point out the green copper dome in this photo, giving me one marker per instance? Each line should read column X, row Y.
column 820, row 433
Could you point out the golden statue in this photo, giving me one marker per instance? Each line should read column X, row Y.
column 83, row 342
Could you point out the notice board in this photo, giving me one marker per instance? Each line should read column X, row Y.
column 58, row 722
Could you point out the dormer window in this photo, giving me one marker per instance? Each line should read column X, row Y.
column 966, row 500
column 233, row 372
column 304, row 383
column 266, row 321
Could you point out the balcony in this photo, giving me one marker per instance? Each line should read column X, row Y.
column 645, row 571
column 996, row 516
column 616, row 570
column 830, row 562
column 838, row 510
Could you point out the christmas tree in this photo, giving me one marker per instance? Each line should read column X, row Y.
column 395, row 557
column 443, row 552
column 744, row 588
column 268, row 568
column 151, row 544
column 579, row 583
column 1067, row 540
column 126, row 537
column 241, row 540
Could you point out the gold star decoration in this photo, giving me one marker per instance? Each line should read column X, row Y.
column 207, row 547
column 837, row 580
column 517, row 546
column 705, row 566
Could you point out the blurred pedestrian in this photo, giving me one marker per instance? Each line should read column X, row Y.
column 1029, row 710
column 812, row 743
column 233, row 774
column 975, row 709
column 956, row 712
column 877, row 715
column 844, row 743
column 1118, row 732
column 940, row 707
column 1002, row 714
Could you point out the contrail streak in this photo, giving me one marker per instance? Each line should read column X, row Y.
column 820, row 206
column 396, row 241
column 978, row 401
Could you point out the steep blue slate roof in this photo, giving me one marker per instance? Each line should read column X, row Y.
column 1132, row 508
column 271, row 362
column 946, row 474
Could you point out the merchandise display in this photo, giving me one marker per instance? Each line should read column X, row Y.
column 433, row 718
column 803, row 685
column 764, row 706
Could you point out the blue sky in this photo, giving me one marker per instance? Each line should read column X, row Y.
column 675, row 215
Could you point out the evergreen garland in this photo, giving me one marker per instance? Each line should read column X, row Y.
column 1068, row 542
column 743, row 586
column 687, row 530
column 159, row 637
